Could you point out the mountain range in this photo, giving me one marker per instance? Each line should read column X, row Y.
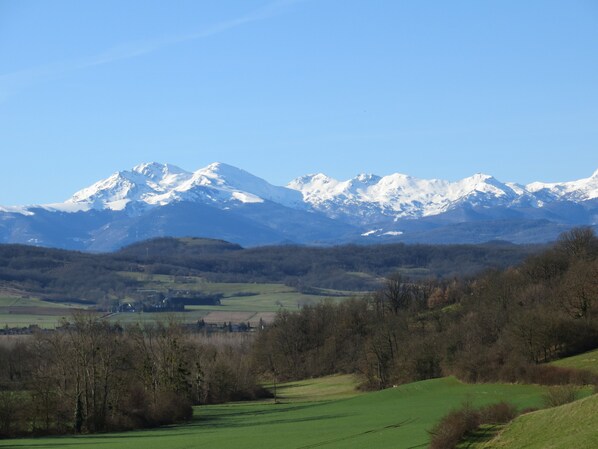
column 225, row 202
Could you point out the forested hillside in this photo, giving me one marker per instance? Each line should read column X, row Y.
column 91, row 278
column 501, row 325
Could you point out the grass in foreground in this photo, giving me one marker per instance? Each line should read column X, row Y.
column 313, row 414
column 573, row 425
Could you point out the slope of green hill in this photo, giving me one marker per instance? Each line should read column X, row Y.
column 308, row 417
column 569, row 426
column 587, row 361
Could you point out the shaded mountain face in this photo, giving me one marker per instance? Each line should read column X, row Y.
column 225, row 202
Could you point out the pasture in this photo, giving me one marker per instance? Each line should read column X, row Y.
column 325, row 413
column 22, row 311
column 573, row 425
column 587, row 361
column 241, row 303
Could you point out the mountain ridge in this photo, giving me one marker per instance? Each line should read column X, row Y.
column 154, row 199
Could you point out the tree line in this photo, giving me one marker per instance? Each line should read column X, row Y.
column 94, row 376
column 324, row 267
column 500, row 325
column 97, row 278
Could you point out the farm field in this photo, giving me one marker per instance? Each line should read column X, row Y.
column 16, row 311
column 241, row 303
column 240, row 297
column 325, row 413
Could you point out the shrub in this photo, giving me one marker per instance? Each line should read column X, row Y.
column 499, row 413
column 545, row 375
column 559, row 395
column 136, row 407
column 557, row 375
column 171, row 408
column 449, row 431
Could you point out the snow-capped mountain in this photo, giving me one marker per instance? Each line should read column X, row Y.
column 370, row 197
column 222, row 201
column 142, row 184
column 161, row 184
column 581, row 190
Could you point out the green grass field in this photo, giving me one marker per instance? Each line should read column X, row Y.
column 321, row 389
column 29, row 301
column 570, row 426
column 324, row 413
column 587, row 361
column 241, row 303
column 573, row 425
column 257, row 301
column 265, row 297
column 17, row 311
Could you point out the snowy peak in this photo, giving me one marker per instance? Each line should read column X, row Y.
column 163, row 174
column 155, row 184
column 479, row 181
column 580, row 190
column 366, row 178
column 319, row 187
column 233, row 178
column 397, row 195
column 137, row 184
column 234, row 184
column 311, row 181
column 314, row 208
column 483, row 184
column 363, row 199
column 112, row 193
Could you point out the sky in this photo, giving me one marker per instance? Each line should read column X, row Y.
column 283, row 88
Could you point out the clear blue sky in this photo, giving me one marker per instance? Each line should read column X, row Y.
column 435, row 89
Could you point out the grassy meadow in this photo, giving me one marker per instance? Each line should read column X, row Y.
column 587, row 361
column 573, row 425
column 326, row 413
column 569, row 426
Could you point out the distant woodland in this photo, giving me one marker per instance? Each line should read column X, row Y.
column 93, row 278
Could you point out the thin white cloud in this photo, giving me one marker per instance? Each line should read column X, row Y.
column 14, row 82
